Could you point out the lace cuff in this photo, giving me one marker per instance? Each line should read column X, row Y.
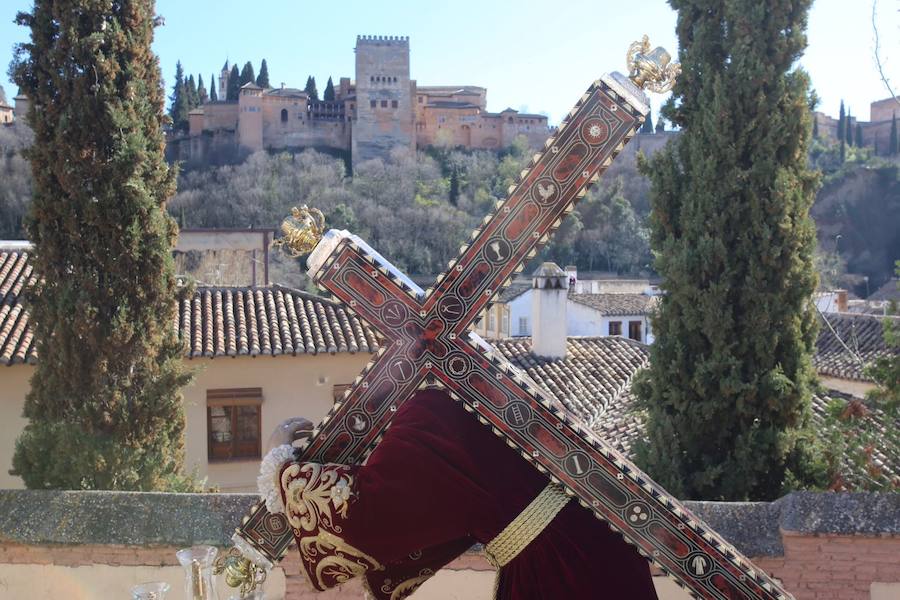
column 268, row 483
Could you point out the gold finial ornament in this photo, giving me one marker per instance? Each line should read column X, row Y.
column 651, row 69
column 239, row 572
column 302, row 231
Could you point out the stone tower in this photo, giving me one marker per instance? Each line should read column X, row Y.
column 223, row 82
column 384, row 97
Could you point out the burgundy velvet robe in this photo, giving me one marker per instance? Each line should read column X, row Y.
column 438, row 483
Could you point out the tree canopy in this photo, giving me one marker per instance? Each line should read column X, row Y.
column 728, row 389
column 263, row 79
column 104, row 409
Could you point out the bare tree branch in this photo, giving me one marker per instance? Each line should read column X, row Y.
column 878, row 62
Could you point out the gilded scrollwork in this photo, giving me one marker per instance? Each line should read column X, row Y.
column 405, row 588
column 333, row 560
column 315, row 494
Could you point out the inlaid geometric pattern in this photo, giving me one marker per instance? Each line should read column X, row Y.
column 427, row 344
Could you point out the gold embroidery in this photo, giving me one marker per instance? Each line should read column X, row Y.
column 312, row 492
column 407, row 587
column 335, row 560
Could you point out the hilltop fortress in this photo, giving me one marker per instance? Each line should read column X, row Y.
column 381, row 109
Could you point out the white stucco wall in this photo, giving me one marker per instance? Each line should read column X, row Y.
column 14, row 385
column 585, row 321
column 519, row 308
column 292, row 386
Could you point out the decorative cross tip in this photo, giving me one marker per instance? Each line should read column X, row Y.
column 652, row 70
column 239, row 572
column 302, row 231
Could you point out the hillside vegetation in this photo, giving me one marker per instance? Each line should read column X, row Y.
column 417, row 209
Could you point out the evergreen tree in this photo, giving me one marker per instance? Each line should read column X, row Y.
column 848, row 128
column 234, row 85
column 728, row 389
column 104, row 410
column 815, row 131
column 3, row 99
column 858, row 139
column 842, row 121
column 893, row 142
column 328, row 96
column 247, row 75
column 660, row 124
column 263, row 79
column 180, row 101
column 311, row 90
column 647, row 127
column 202, row 95
column 192, row 95
column 213, row 94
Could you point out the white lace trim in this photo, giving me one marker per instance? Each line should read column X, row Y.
column 268, row 482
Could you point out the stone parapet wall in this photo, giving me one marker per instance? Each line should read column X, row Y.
column 97, row 544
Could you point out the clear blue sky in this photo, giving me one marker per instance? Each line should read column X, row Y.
column 531, row 55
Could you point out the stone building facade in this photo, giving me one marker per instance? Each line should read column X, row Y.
column 382, row 108
column 876, row 131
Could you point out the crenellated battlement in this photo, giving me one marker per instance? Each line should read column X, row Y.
column 383, row 40
column 379, row 109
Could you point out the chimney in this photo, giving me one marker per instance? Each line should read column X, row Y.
column 841, row 300
column 548, row 311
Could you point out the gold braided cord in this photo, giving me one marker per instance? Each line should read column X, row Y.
column 524, row 528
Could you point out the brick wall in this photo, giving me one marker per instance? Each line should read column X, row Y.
column 835, row 567
column 822, row 546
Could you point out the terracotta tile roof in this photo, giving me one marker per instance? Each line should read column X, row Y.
column 241, row 321
column 622, row 424
column 885, row 455
column 268, row 321
column 617, row 304
column 595, row 372
column 512, row 292
column 17, row 344
column 887, row 292
column 863, row 342
column 594, row 381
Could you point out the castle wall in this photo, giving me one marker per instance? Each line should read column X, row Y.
column 883, row 110
column 381, row 110
column 250, row 119
column 220, row 115
column 384, row 92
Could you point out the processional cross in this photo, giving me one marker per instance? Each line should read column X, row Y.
column 427, row 343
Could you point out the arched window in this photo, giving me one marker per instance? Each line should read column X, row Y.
column 284, row 115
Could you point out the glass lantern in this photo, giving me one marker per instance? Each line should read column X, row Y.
column 155, row 590
column 198, row 572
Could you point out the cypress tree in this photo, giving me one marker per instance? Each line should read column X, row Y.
column 848, row 128
column 213, row 94
column 660, row 124
column 233, row 90
column 104, row 410
column 311, row 90
column 647, row 127
column 180, row 101
column 729, row 385
column 263, row 79
column 815, row 131
column 893, row 142
column 328, row 96
column 858, row 139
column 247, row 75
column 202, row 95
column 842, row 120
column 192, row 95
